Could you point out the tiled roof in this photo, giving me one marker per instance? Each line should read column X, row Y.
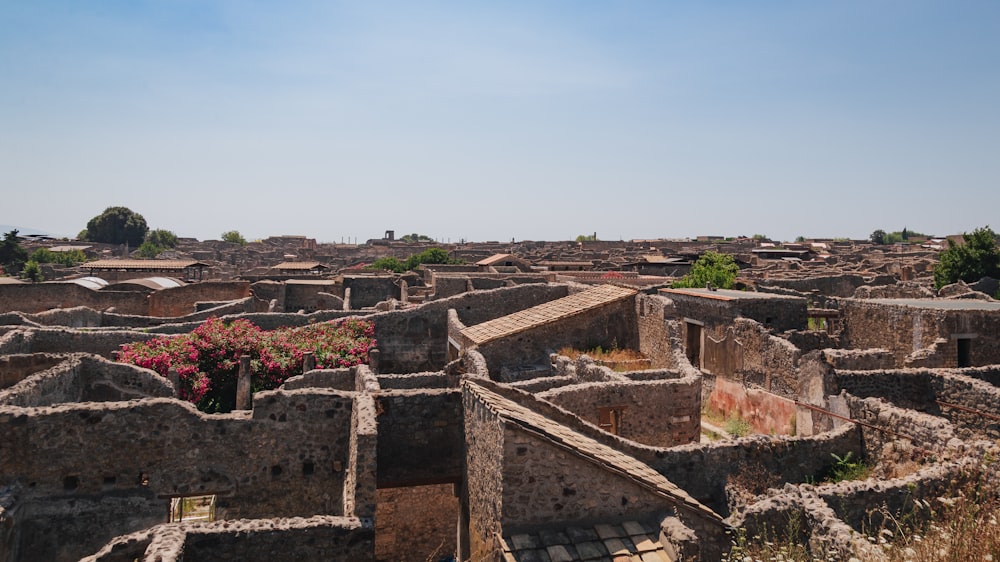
column 546, row 313
column 609, row 459
column 493, row 259
column 156, row 265
column 631, row 541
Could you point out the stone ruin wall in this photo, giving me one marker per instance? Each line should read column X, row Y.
column 286, row 458
column 657, row 413
column 905, row 330
column 417, row 523
column 420, row 438
column 34, row 298
column 484, row 464
column 83, row 378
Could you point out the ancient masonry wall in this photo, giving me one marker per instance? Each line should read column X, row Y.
column 416, row 524
column 83, row 378
column 905, row 330
column 181, row 301
column 338, row 539
column 544, row 483
column 420, row 436
column 288, row 459
column 484, row 444
column 655, row 330
column 658, row 413
column 369, row 290
column 38, row 297
column 62, row 340
column 14, row 368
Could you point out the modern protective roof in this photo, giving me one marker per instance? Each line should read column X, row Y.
column 299, row 266
column 546, row 313
column 95, row 283
column 153, row 283
column 495, row 258
column 143, row 265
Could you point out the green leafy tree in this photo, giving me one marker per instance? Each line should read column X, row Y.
column 149, row 250
column 12, row 255
column 162, row 238
column 878, row 237
column 713, row 268
column 416, row 238
column 70, row 258
column 587, row 237
column 978, row 257
column 388, row 263
column 234, row 237
column 117, row 225
column 32, row 271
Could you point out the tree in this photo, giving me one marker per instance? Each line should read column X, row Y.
column 234, row 237
column 117, row 225
column 713, row 268
column 416, row 238
column 162, row 238
column 587, row 237
column 878, row 237
column 32, row 271
column 430, row 255
column 70, row 258
column 389, row 263
column 12, row 255
column 149, row 250
column 978, row 257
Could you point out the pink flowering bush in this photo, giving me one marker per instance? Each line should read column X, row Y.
column 208, row 359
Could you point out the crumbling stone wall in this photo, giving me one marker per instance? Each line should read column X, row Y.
column 420, row 436
column 656, row 331
column 484, row 453
column 416, row 524
column 834, row 285
column 15, row 368
column 905, row 330
column 82, row 378
column 181, row 301
column 286, row 458
column 38, row 297
column 660, row 413
column 319, row 537
column 62, row 340
column 368, row 290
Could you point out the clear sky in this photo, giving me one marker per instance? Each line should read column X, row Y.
column 536, row 120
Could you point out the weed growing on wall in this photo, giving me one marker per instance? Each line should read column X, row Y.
column 207, row 359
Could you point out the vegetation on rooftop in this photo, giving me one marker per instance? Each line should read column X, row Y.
column 234, row 237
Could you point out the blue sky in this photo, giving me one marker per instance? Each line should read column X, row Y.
column 499, row 120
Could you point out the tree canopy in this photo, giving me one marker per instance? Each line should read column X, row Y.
column 234, row 237
column 12, row 255
column 416, row 238
column 713, row 268
column 430, row 255
column 978, row 257
column 117, row 225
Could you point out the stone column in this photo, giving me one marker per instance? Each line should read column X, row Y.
column 308, row 362
column 373, row 357
column 243, row 389
column 174, row 379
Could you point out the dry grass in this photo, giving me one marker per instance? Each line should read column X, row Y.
column 621, row 360
column 962, row 526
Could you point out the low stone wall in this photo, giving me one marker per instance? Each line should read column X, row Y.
column 65, row 340
column 659, row 413
column 338, row 379
column 15, row 368
column 82, row 378
column 858, row 359
column 340, row 539
column 418, row 381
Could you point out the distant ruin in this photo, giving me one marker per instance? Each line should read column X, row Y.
column 468, row 436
